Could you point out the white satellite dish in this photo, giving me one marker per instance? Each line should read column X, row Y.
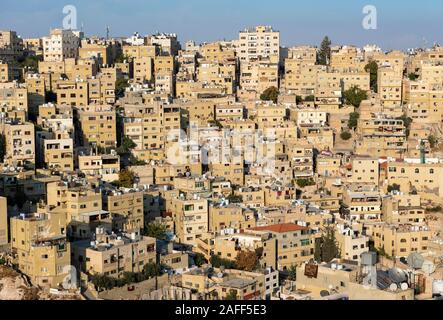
column 404, row 286
column 428, row 267
column 393, row 287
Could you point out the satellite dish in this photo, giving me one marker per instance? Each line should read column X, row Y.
column 393, row 287
column 415, row 260
column 324, row 293
column 397, row 275
column 428, row 267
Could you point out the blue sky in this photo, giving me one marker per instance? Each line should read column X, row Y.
column 401, row 23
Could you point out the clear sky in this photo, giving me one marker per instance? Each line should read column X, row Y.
column 401, row 23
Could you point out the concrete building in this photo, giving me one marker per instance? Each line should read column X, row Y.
column 4, row 227
column 60, row 44
column 114, row 254
column 258, row 42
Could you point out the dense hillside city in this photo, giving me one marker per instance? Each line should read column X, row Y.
column 143, row 168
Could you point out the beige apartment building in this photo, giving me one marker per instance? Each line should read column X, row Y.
column 72, row 93
column 328, row 165
column 360, row 79
column 245, row 285
column 389, row 84
column 153, row 128
column 4, row 227
column 5, row 72
column 352, row 243
column 13, row 97
column 365, row 170
column 74, row 200
column 107, row 167
column 216, row 52
column 229, row 217
column 300, row 77
column 231, row 171
column 400, row 240
column 98, row 126
column 139, row 51
column 35, row 84
column 60, row 44
column 112, row 255
column 362, row 205
column 43, row 252
column 167, row 42
column 305, row 54
column 143, row 70
column 424, row 102
column 424, row 178
column 381, row 137
column 345, row 58
column 328, row 90
column 190, row 219
column 101, row 51
column 403, row 208
column 295, row 244
column 342, row 279
column 127, row 206
column 59, row 153
column 20, row 144
column 258, row 42
column 259, row 75
column 11, row 45
column 218, row 74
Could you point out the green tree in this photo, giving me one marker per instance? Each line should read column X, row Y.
column 231, row 296
column 217, row 262
column 235, row 198
column 199, row 259
column 328, row 247
column 103, row 282
column 29, row 63
column 324, row 54
column 121, row 58
column 126, row 179
column 353, row 120
column 298, row 99
column 310, row 98
column 345, row 135
column 120, row 86
column 156, row 230
column 270, row 94
column 303, row 183
column 317, row 250
column 126, row 145
column 354, row 96
column 394, row 187
column 372, row 68
column 412, row 76
column 407, row 121
column 151, row 270
column 292, row 273
column 433, row 141
column 247, row 261
column 134, row 161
